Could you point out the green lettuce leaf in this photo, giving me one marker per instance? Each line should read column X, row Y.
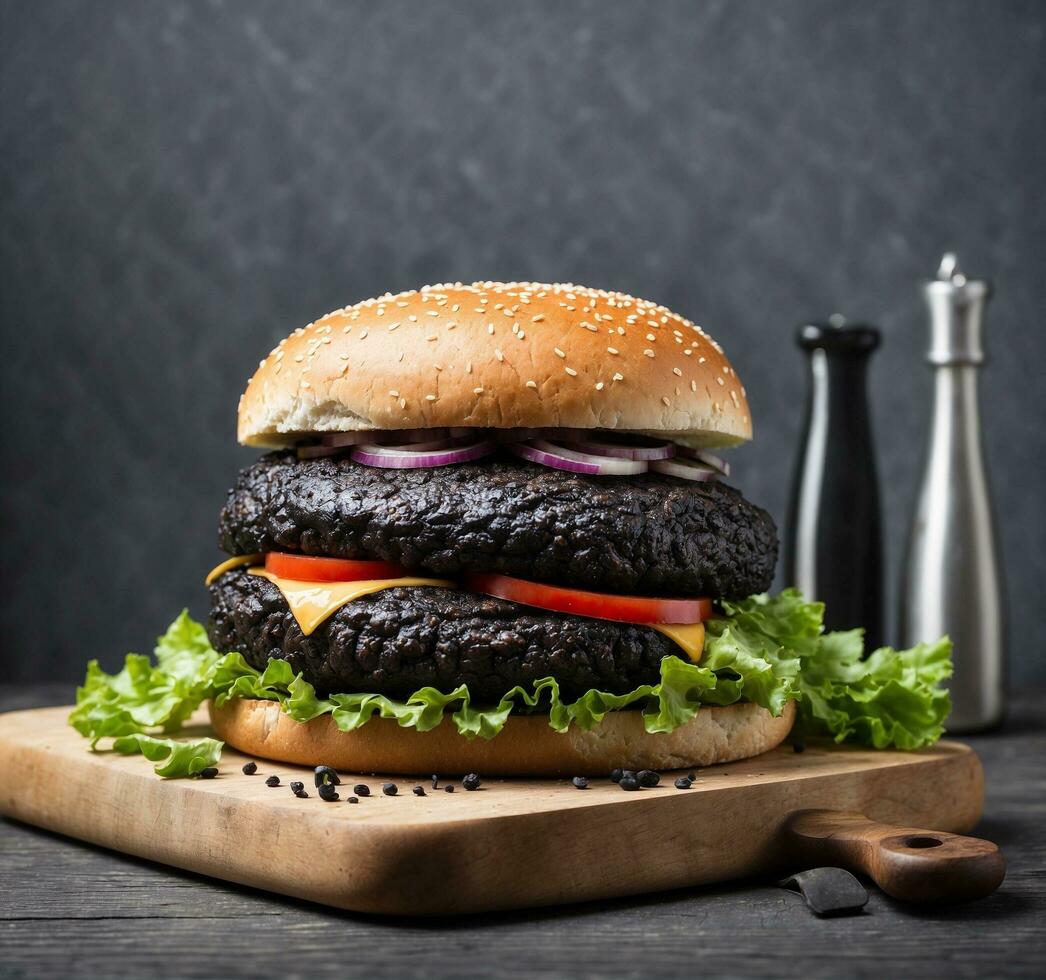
column 183, row 758
column 770, row 650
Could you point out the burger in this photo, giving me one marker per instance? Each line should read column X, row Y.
column 494, row 532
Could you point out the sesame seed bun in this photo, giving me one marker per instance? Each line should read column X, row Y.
column 500, row 355
column 527, row 746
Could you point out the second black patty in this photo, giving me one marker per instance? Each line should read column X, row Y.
column 648, row 534
column 398, row 640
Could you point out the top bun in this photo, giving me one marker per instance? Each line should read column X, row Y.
column 499, row 355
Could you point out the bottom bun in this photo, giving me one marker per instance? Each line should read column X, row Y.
column 527, row 746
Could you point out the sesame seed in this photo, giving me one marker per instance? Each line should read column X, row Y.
column 452, row 325
column 381, row 312
column 393, row 326
column 599, row 386
column 664, row 398
column 432, row 336
column 413, row 318
column 720, row 381
column 305, row 384
column 499, row 355
column 612, row 350
column 538, row 318
column 693, row 386
column 677, row 372
column 589, row 326
column 346, row 328
column 432, row 312
column 477, row 391
column 299, row 358
column 558, row 352
column 393, row 393
column 490, row 328
column 571, row 372
column 648, row 353
column 363, row 334
column 430, row 398
column 618, row 377
column 688, row 352
column 650, row 336
column 403, row 403
column 700, row 360
column 532, row 384
column 468, row 367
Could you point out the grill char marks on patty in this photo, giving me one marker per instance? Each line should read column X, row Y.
column 398, row 640
column 646, row 535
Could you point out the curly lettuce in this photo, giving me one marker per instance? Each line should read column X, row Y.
column 769, row 650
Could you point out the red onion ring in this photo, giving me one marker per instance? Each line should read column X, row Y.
column 560, row 458
column 685, row 469
column 709, row 459
column 406, row 459
column 626, row 447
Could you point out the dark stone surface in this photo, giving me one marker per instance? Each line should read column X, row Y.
column 71, row 910
column 183, row 183
column 644, row 535
column 399, row 640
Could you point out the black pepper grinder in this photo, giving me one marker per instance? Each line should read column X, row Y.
column 833, row 543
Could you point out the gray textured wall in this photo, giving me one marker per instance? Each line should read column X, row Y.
column 182, row 183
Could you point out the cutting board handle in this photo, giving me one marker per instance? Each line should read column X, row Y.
column 908, row 864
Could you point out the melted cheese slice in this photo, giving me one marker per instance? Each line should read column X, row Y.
column 313, row 602
column 231, row 563
column 690, row 638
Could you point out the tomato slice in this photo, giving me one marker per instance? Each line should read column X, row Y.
column 309, row 568
column 598, row 605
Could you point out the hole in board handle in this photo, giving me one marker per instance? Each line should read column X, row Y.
column 921, row 842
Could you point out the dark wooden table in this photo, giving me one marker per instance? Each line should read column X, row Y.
column 68, row 909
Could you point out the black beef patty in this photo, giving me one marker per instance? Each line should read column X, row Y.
column 647, row 535
column 397, row 640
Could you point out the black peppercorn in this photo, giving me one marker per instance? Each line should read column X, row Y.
column 329, row 793
column 647, row 777
column 629, row 782
column 691, row 776
column 353, row 799
column 471, row 781
column 324, row 774
column 580, row 782
column 209, row 773
column 615, row 775
column 361, row 789
column 799, row 745
column 683, row 782
column 419, row 791
column 628, row 774
column 272, row 781
column 435, row 781
column 298, row 789
column 449, row 788
column 250, row 768
column 389, row 789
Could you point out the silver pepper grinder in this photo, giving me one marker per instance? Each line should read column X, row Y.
column 952, row 577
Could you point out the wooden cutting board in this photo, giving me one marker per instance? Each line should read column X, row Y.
column 513, row 843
